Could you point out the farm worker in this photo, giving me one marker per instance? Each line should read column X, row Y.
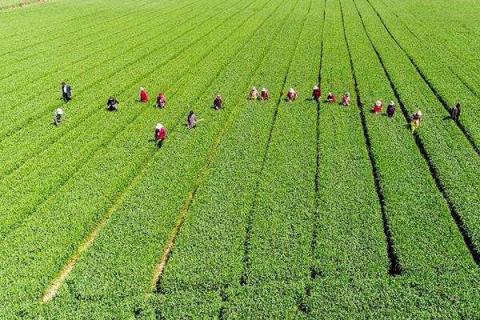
column 292, row 95
column 144, row 95
column 456, row 112
column 253, row 94
column 192, row 120
column 58, row 116
column 331, row 98
column 66, row 92
column 112, row 104
column 346, row 99
column 161, row 100
column 160, row 134
column 378, row 107
column 391, row 109
column 264, row 95
column 218, row 102
column 416, row 119
column 316, row 93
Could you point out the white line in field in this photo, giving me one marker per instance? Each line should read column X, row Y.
column 52, row 291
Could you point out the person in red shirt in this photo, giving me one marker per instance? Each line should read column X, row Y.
column 317, row 93
column 264, row 95
column 332, row 98
column 346, row 99
column 292, row 95
column 161, row 100
column 160, row 134
column 378, row 107
column 144, row 95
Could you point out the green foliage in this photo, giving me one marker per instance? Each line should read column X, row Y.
column 276, row 209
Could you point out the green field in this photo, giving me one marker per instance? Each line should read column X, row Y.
column 266, row 210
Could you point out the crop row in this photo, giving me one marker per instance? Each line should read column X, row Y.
column 452, row 157
column 227, row 205
column 446, row 27
column 113, row 156
column 424, row 218
column 87, row 139
column 17, row 23
column 427, row 241
column 351, row 230
column 240, row 73
column 107, row 66
column 87, row 112
column 396, row 153
column 40, row 37
column 117, row 153
column 52, row 59
column 461, row 63
column 223, row 204
column 442, row 78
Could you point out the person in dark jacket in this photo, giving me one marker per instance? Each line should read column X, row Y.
column 391, row 108
column 456, row 112
column 66, row 92
column 112, row 104
column 192, row 120
column 161, row 100
column 218, row 102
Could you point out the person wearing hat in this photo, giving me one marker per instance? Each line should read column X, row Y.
column 161, row 100
column 144, row 95
column 456, row 112
column 112, row 104
column 218, row 102
column 292, row 95
column 378, row 107
column 58, row 116
column 192, row 120
column 253, row 95
column 416, row 119
column 346, row 99
column 391, row 109
column 160, row 134
column 331, row 98
column 66, row 92
column 264, row 95
column 317, row 93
